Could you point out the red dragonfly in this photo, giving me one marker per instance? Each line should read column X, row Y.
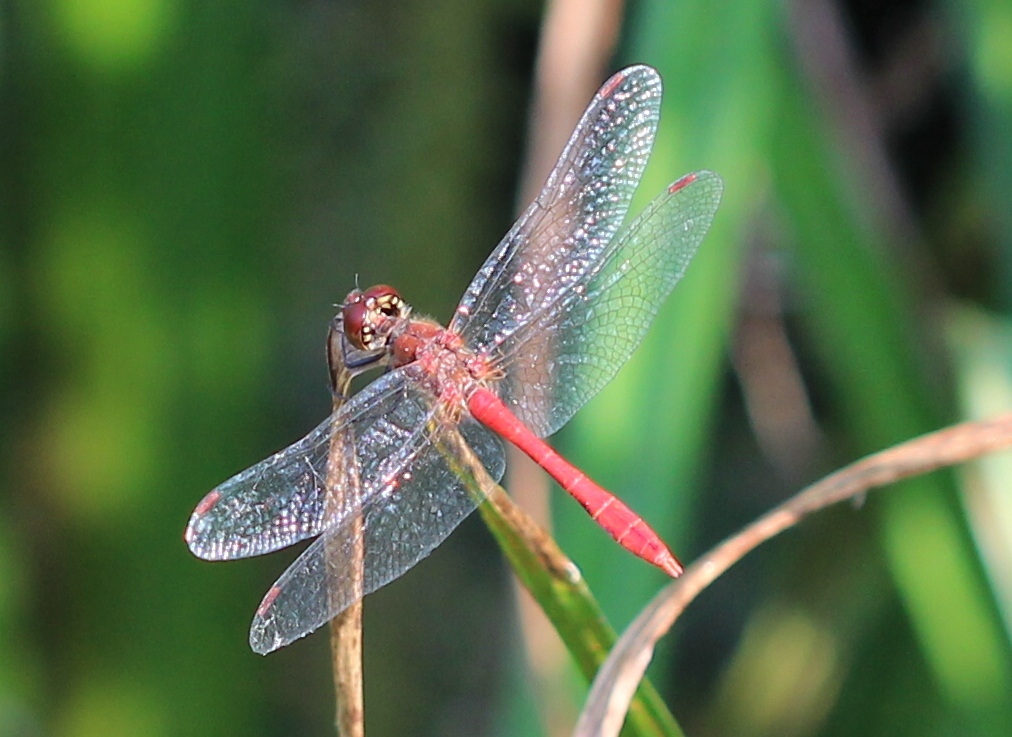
column 549, row 319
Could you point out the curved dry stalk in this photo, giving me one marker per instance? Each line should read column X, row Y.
column 608, row 700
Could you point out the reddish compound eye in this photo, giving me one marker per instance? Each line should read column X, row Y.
column 385, row 299
column 368, row 315
column 353, row 315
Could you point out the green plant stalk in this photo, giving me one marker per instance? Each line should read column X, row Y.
column 556, row 584
column 574, row 612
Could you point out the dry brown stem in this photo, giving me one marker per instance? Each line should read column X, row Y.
column 608, row 700
column 346, row 628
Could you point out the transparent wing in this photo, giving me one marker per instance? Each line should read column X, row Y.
column 411, row 502
column 269, row 506
column 284, row 498
column 565, row 352
column 582, row 204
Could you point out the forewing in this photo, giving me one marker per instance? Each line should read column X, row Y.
column 595, row 326
column 271, row 505
column 562, row 233
column 411, row 502
column 282, row 499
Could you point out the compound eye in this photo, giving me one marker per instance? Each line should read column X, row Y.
column 354, row 315
column 384, row 299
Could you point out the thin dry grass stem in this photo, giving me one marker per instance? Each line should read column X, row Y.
column 608, row 700
column 346, row 659
column 346, row 628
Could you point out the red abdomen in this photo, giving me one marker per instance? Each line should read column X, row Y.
column 624, row 525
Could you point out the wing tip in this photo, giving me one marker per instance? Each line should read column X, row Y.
column 207, row 503
column 682, row 183
column 702, row 176
column 264, row 635
column 262, row 640
column 648, row 76
column 191, row 535
column 261, row 644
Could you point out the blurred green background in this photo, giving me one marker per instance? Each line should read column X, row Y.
column 186, row 190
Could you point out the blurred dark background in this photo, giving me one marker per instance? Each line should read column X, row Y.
column 186, row 191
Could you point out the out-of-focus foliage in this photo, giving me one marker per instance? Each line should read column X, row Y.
column 187, row 188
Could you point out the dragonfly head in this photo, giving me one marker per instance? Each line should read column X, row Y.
column 370, row 315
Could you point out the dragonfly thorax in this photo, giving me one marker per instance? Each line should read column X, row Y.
column 443, row 363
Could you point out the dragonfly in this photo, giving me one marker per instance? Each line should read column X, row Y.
column 553, row 313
